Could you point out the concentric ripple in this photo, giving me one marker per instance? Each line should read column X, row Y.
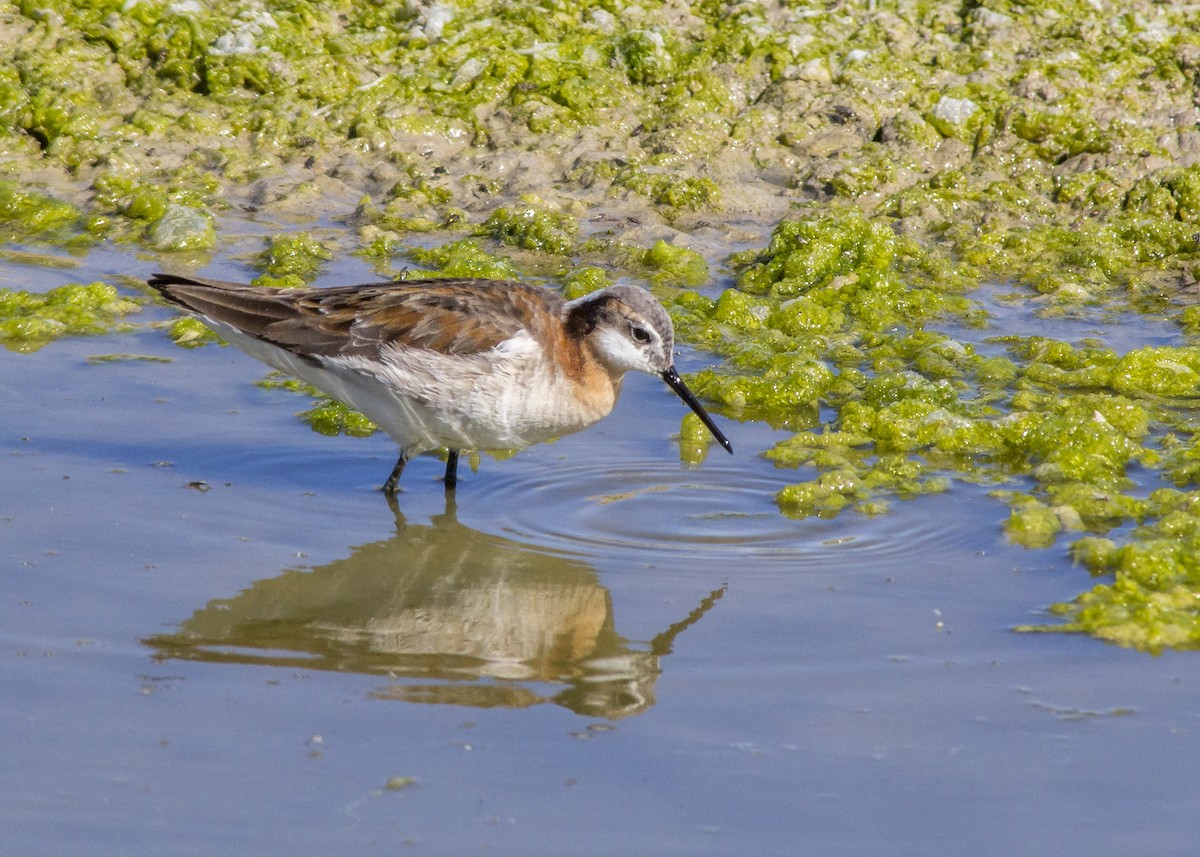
column 649, row 507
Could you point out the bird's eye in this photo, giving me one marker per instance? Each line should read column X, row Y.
column 639, row 334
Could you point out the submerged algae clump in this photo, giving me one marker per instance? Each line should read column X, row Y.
column 29, row 321
column 182, row 227
column 863, row 488
column 330, row 417
column 189, row 332
column 327, row 416
column 694, row 440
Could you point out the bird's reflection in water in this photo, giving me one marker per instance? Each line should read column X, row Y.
column 451, row 615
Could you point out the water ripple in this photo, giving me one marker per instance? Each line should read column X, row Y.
column 648, row 507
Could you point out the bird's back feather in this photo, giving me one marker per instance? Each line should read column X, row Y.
column 349, row 321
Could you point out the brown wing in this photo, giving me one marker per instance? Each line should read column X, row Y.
column 454, row 316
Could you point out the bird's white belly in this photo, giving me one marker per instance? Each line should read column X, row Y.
column 482, row 411
column 507, row 398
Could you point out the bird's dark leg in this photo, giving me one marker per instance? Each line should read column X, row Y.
column 451, row 469
column 389, row 487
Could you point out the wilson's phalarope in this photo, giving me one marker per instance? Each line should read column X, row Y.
column 455, row 363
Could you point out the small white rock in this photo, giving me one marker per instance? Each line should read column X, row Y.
column 955, row 111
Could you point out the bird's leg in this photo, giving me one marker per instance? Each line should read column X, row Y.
column 451, row 469
column 389, row 487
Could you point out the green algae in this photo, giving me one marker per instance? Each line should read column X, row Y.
column 661, row 264
column 327, row 416
column 647, row 56
column 786, row 395
column 1170, row 372
column 670, row 264
column 465, row 257
column 396, row 784
column 694, row 440
column 584, row 281
column 670, row 193
column 126, row 358
column 175, row 216
column 855, row 269
column 369, row 75
column 1033, row 525
column 291, row 260
column 532, row 228
column 857, row 481
column 182, row 228
column 1078, row 447
column 913, row 410
column 29, row 321
column 28, row 213
column 1151, row 603
column 189, row 332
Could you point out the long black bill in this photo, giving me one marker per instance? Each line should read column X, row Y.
column 676, row 383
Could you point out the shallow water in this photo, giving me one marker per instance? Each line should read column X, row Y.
column 599, row 650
